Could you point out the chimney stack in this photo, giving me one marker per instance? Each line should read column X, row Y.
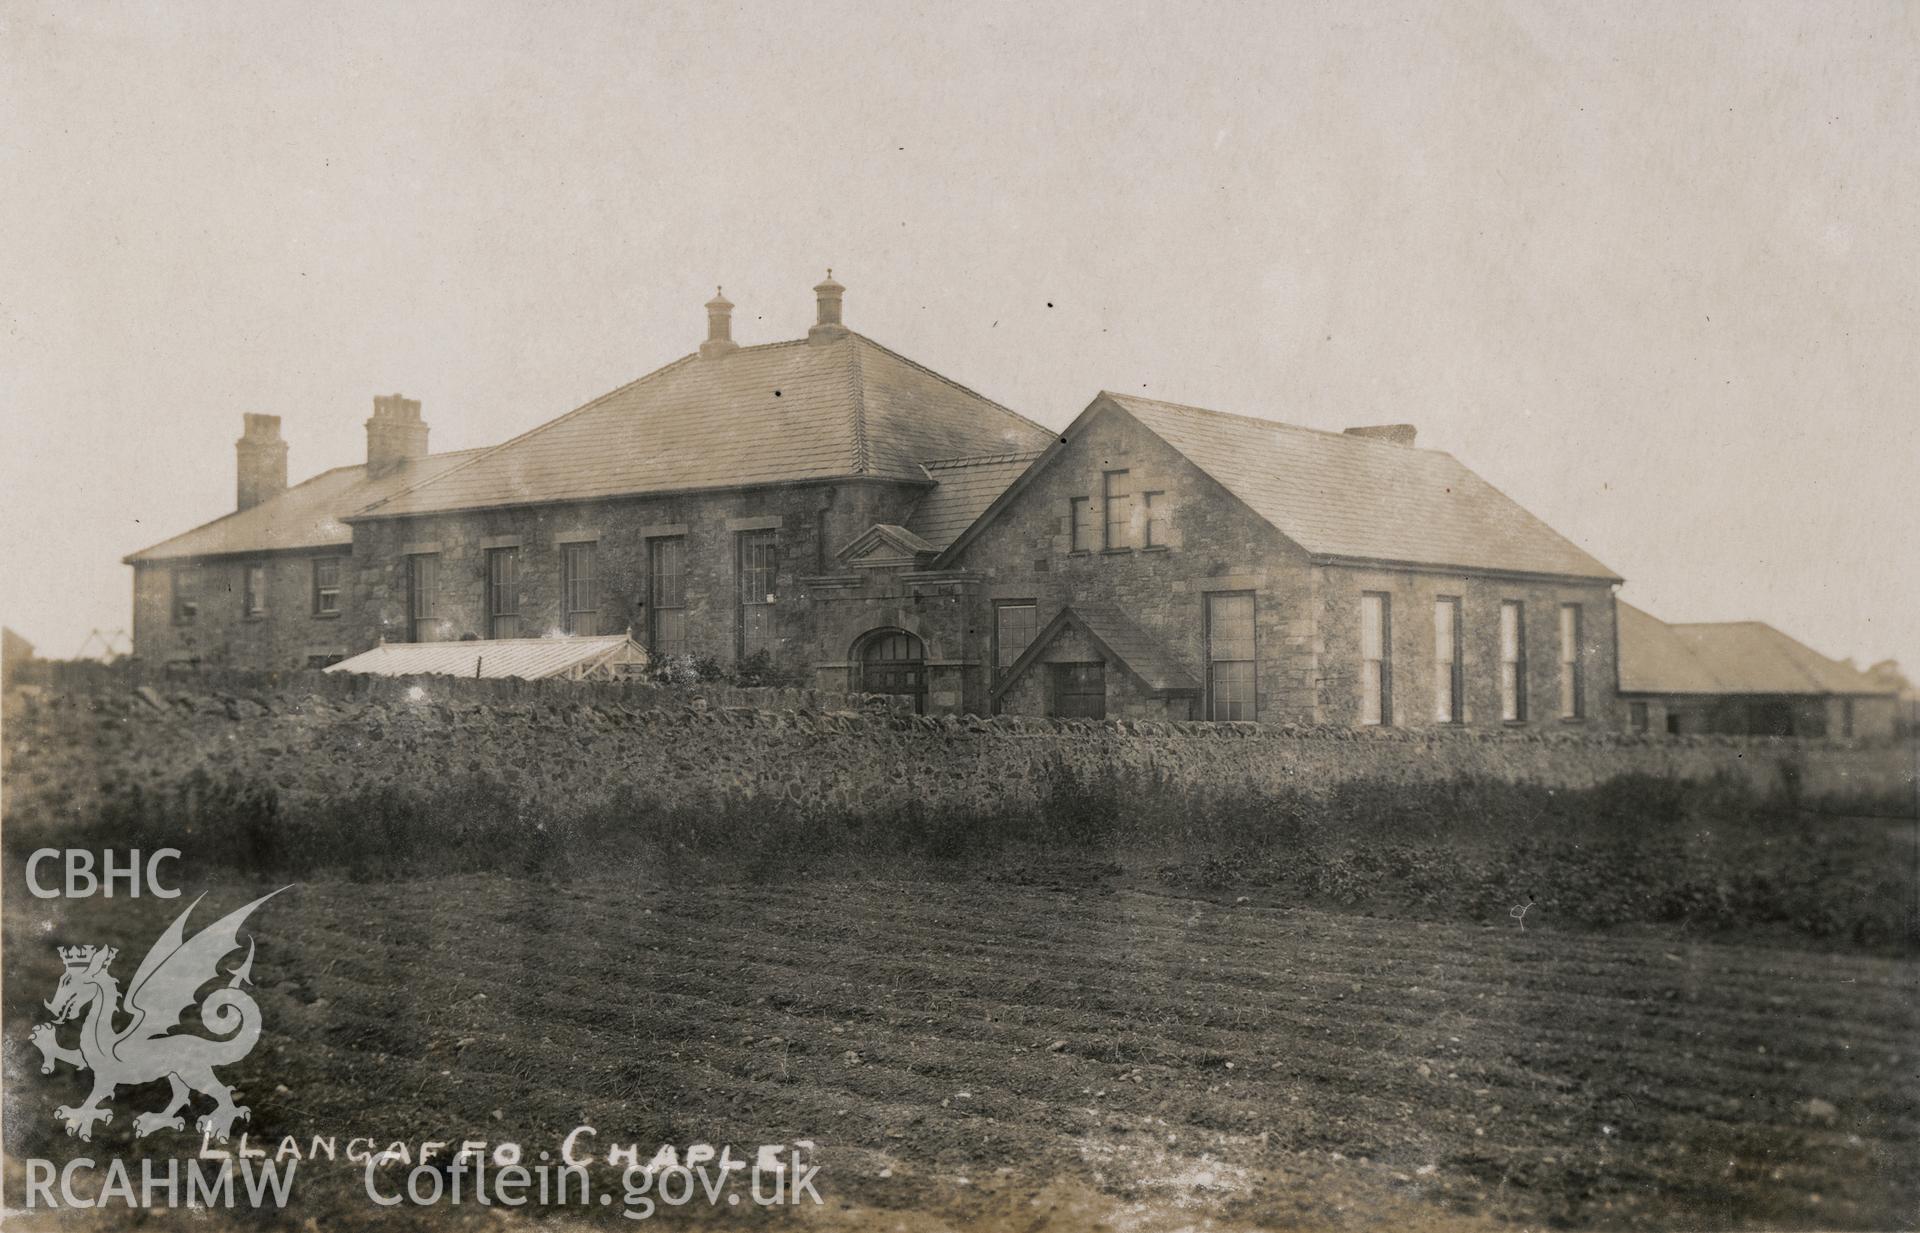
column 719, row 326
column 396, row 434
column 828, row 326
column 1398, row 434
column 262, row 458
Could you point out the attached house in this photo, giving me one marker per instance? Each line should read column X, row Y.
column 1743, row 678
column 829, row 507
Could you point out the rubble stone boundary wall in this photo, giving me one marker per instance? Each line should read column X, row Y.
column 81, row 731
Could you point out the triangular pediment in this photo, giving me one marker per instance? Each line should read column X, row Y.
column 886, row 544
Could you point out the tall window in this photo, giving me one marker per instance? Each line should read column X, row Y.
column 423, row 588
column 1846, row 717
column 503, row 592
column 1513, row 661
column 1637, row 713
column 1014, row 622
column 1231, row 678
column 254, row 590
column 1153, row 514
column 1573, row 685
column 1080, row 519
column 186, row 593
column 326, row 586
column 756, row 559
column 1376, row 658
column 579, row 590
column 1448, row 670
column 667, row 596
column 1116, row 503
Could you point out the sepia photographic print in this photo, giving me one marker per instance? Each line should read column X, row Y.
column 1039, row 617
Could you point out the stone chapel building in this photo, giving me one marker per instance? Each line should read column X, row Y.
column 876, row 526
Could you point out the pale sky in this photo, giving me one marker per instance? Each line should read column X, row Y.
column 1654, row 270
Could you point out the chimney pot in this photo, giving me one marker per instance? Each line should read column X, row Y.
column 261, row 458
column 1398, row 434
column 719, row 326
column 827, row 323
column 396, row 434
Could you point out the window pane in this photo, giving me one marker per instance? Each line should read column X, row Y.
column 1233, row 685
column 1446, row 660
column 1013, row 632
column 1080, row 511
column 1229, row 627
column 1513, row 649
column 1370, row 615
column 503, row 593
column 423, row 580
column 578, row 590
column 1152, row 510
column 1571, row 702
column 756, row 564
column 1119, row 509
column 1370, row 678
column 667, row 596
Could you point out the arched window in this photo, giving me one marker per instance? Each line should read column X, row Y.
column 892, row 661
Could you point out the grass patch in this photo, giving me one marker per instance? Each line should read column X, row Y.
column 1712, row 856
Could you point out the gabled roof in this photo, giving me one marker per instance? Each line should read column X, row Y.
column 835, row 408
column 1730, row 657
column 964, row 489
column 307, row 515
column 530, row 659
column 1342, row 497
column 1118, row 639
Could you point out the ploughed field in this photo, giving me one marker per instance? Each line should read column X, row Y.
column 1047, row 1052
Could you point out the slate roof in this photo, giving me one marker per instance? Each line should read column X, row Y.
column 839, row 408
column 1137, row 649
column 966, row 486
column 1115, row 635
column 530, row 659
column 1344, row 496
column 1729, row 657
column 307, row 515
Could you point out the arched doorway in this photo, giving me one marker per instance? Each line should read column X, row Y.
column 893, row 661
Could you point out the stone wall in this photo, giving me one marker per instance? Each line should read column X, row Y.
column 289, row 633
column 85, row 734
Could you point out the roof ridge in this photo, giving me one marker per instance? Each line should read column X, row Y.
column 943, row 378
column 857, row 395
column 1262, row 420
column 487, row 450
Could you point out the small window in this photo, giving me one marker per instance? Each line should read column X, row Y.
column 1376, row 659
column 1080, row 516
column 667, row 595
column 1513, row 661
column 1637, row 715
column 1079, row 690
column 1573, row 685
column 1153, row 513
column 1231, row 673
column 186, row 594
column 253, row 590
column 1014, row 624
column 423, row 597
column 1117, row 505
column 1846, row 717
column 756, row 562
column 1673, row 724
column 579, row 590
column 1448, row 668
column 326, row 586
column 503, row 592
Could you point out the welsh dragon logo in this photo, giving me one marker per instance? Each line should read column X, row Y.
column 141, row 1051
